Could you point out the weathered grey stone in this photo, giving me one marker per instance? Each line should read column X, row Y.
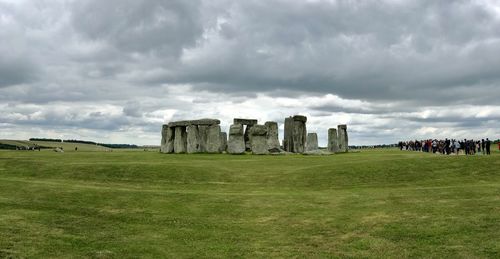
column 248, row 137
column 275, row 150
column 273, row 141
column 202, row 137
column 213, row 139
column 186, row 123
column 193, row 142
column 258, row 130
column 343, row 141
column 295, row 134
column 301, row 118
column 259, row 140
column 248, row 123
column 170, row 140
column 180, row 140
column 236, row 142
column 288, row 140
column 333, row 145
column 236, row 129
column 312, row 142
column 299, row 136
column 163, row 143
column 167, row 139
column 244, row 121
column 223, row 141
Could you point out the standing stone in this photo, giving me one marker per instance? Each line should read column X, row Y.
column 170, row 140
column 248, row 124
column 248, row 137
column 193, row 143
column 312, row 142
column 213, row 139
column 259, row 140
column 299, row 136
column 342, row 138
column 273, row 141
column 163, row 144
column 202, row 137
column 295, row 134
column 223, row 141
column 180, row 140
column 333, row 145
column 236, row 142
column 288, row 140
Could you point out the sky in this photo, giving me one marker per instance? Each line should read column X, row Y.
column 114, row 71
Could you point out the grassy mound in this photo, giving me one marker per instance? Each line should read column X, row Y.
column 146, row 204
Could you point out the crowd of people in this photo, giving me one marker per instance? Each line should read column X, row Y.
column 448, row 146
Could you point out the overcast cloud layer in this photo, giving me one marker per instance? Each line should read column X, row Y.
column 116, row 70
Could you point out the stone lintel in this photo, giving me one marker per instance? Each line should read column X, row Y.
column 300, row 118
column 244, row 121
column 186, row 123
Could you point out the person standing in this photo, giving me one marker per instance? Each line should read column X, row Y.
column 488, row 145
column 483, row 147
column 457, row 146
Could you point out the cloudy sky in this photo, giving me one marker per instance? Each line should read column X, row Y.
column 114, row 71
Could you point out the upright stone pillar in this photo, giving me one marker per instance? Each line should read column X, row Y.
column 259, row 140
column 248, row 137
column 333, row 145
column 213, row 139
column 273, row 142
column 312, row 142
column 236, row 142
column 342, row 138
column 299, row 133
column 163, row 144
column 170, row 140
column 202, row 137
column 288, row 136
column 180, row 140
column 295, row 134
column 249, row 124
column 223, row 141
column 193, row 142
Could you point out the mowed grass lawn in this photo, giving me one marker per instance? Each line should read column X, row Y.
column 145, row 204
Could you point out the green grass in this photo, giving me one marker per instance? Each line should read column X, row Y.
column 145, row 204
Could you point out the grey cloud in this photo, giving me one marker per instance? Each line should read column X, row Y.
column 132, row 109
column 140, row 26
column 411, row 50
column 14, row 72
column 18, row 64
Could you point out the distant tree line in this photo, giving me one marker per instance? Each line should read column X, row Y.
column 118, row 145
column 7, row 146
column 86, row 142
column 101, row 144
column 46, row 139
column 80, row 141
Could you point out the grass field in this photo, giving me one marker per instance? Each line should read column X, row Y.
column 145, row 204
